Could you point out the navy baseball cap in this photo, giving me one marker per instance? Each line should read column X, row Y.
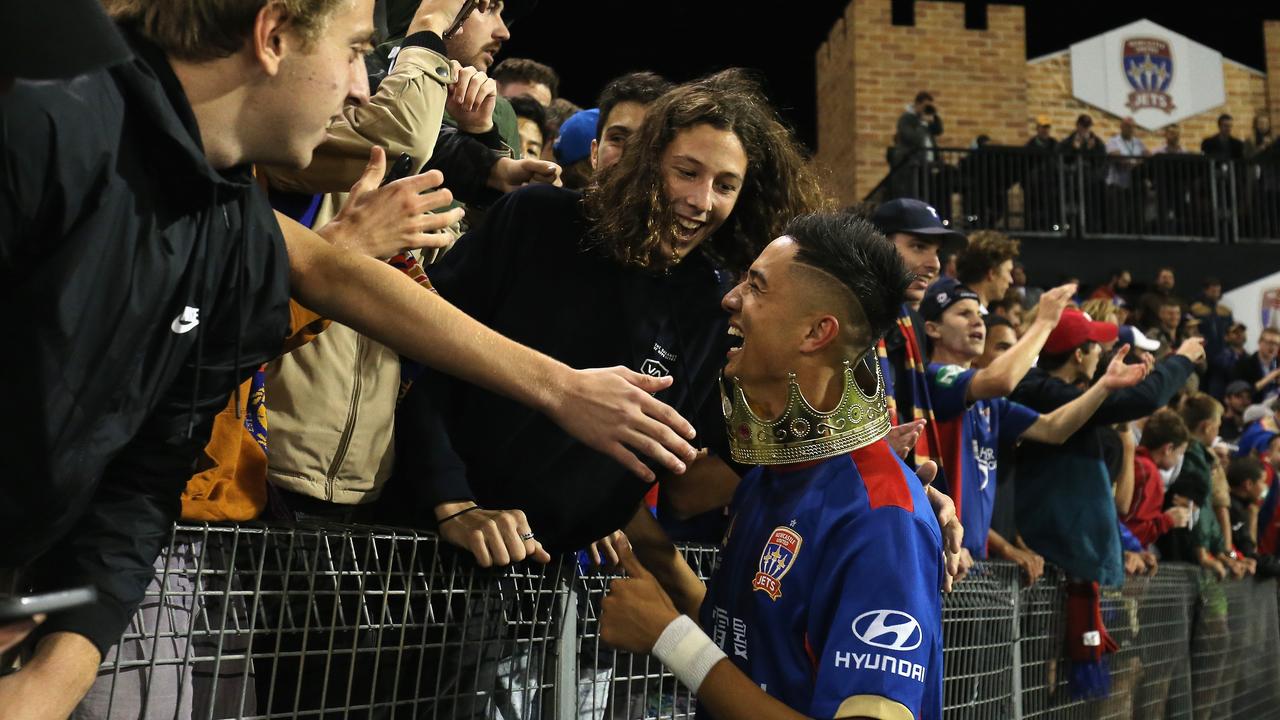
column 916, row 217
column 937, row 302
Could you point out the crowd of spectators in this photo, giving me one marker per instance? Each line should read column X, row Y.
column 391, row 338
column 1114, row 185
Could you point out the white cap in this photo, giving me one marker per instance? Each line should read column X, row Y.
column 1139, row 341
column 1253, row 412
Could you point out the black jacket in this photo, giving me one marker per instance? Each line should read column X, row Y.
column 1268, row 565
column 529, row 274
column 140, row 287
column 1249, row 368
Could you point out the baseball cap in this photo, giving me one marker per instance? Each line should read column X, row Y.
column 576, row 134
column 916, row 217
column 1043, row 120
column 1075, row 329
column 1130, row 335
column 1236, row 387
column 936, row 302
column 86, row 39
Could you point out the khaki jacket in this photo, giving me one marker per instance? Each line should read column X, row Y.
column 332, row 402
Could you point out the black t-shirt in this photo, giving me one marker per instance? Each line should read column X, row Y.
column 532, row 273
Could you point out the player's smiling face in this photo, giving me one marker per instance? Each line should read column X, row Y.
column 764, row 317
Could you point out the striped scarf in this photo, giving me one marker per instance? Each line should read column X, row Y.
column 911, row 384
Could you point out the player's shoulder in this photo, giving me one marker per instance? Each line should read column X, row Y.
column 883, row 489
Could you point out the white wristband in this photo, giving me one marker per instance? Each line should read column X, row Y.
column 687, row 652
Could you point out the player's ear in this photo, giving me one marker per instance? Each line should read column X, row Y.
column 931, row 329
column 822, row 332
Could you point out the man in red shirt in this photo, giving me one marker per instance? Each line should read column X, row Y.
column 1164, row 440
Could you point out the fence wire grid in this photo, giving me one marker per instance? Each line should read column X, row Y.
column 331, row 621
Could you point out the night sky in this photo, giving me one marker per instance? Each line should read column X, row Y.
column 683, row 39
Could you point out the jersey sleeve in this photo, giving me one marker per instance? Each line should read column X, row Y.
column 878, row 653
column 1015, row 419
column 948, row 386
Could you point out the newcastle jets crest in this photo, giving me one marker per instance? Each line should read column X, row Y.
column 776, row 559
column 1148, row 66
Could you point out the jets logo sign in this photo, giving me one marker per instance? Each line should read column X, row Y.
column 1148, row 66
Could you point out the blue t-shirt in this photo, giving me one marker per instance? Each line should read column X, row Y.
column 828, row 590
column 970, row 436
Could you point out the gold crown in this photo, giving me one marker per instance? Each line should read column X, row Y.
column 802, row 433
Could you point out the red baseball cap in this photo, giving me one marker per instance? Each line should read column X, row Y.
column 1075, row 329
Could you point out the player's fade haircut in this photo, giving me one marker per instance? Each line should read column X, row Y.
column 1164, row 426
column 527, row 71
column 985, row 251
column 637, row 87
column 201, row 30
column 627, row 204
column 852, row 251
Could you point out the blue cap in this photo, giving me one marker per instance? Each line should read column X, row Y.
column 936, row 301
column 574, row 142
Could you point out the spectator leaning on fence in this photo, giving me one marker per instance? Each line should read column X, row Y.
column 712, row 171
column 522, row 76
column 110, row 512
column 1123, row 147
column 1164, row 441
column 975, row 418
column 1248, row 480
column 804, row 607
column 1065, row 507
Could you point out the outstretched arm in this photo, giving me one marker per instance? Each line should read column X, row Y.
column 1057, row 426
column 1005, row 372
column 610, row 410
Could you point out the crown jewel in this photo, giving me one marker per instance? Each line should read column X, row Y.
column 802, row 433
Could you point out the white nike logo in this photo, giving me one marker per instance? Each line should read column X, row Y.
column 189, row 318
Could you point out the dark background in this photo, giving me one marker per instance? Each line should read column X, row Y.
column 591, row 41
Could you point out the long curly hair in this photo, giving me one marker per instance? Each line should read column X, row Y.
column 627, row 205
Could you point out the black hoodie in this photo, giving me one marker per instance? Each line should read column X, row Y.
column 139, row 287
column 530, row 273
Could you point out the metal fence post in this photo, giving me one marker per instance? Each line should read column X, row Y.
column 566, row 670
column 1015, row 665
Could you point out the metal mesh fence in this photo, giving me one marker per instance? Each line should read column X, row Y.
column 358, row 622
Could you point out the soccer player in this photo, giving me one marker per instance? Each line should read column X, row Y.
column 826, row 602
column 974, row 417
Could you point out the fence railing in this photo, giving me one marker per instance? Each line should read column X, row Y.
column 359, row 622
column 1055, row 194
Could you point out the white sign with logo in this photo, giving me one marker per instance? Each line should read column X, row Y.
column 1148, row 72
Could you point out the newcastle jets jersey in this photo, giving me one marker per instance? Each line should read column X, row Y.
column 827, row 594
column 970, row 436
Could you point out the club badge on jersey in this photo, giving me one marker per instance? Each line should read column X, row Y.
column 775, row 560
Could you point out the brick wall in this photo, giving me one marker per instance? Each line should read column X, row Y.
column 868, row 70
column 1271, row 32
column 1049, row 92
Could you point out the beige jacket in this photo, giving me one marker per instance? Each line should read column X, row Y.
column 332, row 401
